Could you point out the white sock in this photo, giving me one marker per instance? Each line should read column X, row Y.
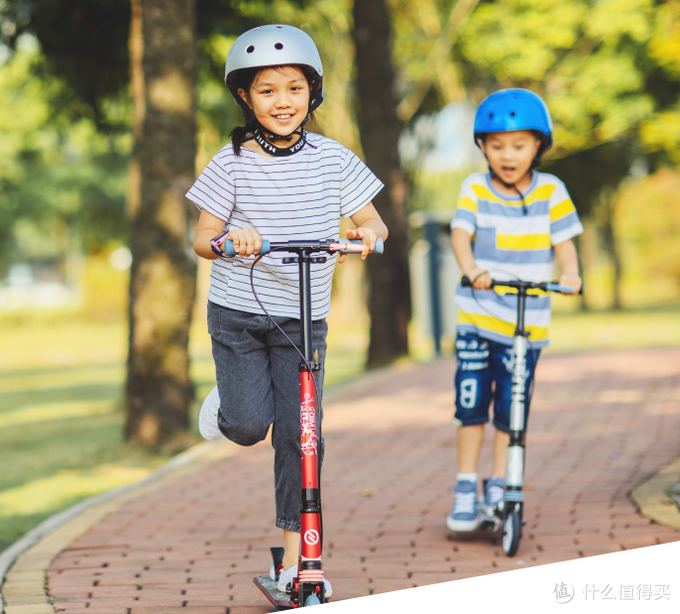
column 468, row 477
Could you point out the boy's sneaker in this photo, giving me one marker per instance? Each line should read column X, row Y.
column 463, row 516
column 207, row 417
column 289, row 575
column 493, row 493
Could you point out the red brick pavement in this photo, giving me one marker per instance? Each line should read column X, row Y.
column 601, row 424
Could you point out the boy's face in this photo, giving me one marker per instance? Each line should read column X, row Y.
column 279, row 97
column 510, row 153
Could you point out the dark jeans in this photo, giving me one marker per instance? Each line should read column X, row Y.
column 258, row 384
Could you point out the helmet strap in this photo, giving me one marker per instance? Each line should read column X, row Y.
column 525, row 210
column 279, row 152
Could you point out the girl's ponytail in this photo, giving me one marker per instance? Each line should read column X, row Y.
column 239, row 135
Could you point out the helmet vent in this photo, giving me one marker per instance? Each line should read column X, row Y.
column 490, row 116
column 250, row 49
column 278, row 46
column 512, row 114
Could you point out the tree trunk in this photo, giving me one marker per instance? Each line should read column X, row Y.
column 379, row 126
column 163, row 274
column 611, row 245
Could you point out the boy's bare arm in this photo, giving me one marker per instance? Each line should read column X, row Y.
column 567, row 258
column 461, row 241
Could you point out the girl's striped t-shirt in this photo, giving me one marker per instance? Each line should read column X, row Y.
column 297, row 197
column 512, row 245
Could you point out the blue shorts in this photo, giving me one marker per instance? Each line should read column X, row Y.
column 485, row 373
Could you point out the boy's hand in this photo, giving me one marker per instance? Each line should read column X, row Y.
column 367, row 235
column 571, row 281
column 247, row 241
column 480, row 278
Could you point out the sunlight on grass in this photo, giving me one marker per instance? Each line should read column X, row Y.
column 54, row 411
column 578, row 331
column 60, row 378
column 42, row 496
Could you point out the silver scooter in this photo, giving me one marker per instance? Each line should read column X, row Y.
column 508, row 515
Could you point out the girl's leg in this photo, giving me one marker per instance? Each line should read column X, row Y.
column 291, row 546
column 243, row 374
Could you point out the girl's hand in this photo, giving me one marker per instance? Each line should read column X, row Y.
column 571, row 281
column 367, row 235
column 480, row 278
column 247, row 241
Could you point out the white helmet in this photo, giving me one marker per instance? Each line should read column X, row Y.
column 275, row 45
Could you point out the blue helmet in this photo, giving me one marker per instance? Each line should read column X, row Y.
column 514, row 109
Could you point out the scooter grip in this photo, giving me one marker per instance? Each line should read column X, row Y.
column 378, row 249
column 230, row 251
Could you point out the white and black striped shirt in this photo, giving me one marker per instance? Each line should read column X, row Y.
column 289, row 198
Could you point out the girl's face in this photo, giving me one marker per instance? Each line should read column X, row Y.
column 510, row 153
column 279, row 97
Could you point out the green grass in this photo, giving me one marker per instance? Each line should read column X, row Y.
column 61, row 386
column 61, row 390
column 634, row 328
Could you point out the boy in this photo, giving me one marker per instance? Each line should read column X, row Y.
column 512, row 221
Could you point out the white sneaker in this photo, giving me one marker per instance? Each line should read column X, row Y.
column 288, row 575
column 207, row 417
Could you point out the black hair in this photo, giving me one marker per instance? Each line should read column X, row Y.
column 243, row 79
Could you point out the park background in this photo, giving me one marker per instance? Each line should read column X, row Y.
column 404, row 75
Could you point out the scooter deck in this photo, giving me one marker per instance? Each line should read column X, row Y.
column 270, row 588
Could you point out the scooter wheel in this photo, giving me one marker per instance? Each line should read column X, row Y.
column 312, row 600
column 512, row 532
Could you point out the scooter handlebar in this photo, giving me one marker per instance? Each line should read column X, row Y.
column 337, row 247
column 547, row 286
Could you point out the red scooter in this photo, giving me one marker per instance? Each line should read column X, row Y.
column 308, row 587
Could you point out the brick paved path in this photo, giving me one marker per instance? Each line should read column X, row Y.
column 601, row 424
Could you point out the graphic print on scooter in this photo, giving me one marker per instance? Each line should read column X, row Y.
column 308, row 425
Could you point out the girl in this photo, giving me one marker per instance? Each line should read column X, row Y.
column 278, row 181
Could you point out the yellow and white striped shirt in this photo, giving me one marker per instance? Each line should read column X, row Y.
column 512, row 245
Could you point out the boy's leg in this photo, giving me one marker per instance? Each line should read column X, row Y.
column 501, row 442
column 470, row 440
column 472, row 384
column 286, row 429
column 473, row 395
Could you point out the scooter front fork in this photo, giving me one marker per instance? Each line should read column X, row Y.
column 310, row 574
column 514, row 473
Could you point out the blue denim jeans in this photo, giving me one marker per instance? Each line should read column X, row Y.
column 484, row 374
column 258, row 384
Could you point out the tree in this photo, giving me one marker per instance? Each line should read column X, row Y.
column 609, row 73
column 593, row 176
column 163, row 273
column 379, row 127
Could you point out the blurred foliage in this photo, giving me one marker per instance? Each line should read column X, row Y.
column 63, row 182
column 609, row 70
column 648, row 220
column 599, row 64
